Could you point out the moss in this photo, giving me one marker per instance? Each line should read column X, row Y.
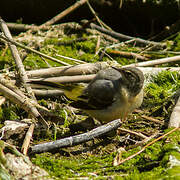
column 153, row 163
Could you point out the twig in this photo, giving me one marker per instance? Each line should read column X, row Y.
column 64, row 79
column 33, row 50
column 97, row 18
column 174, row 119
column 155, row 62
column 64, row 13
column 72, row 59
column 147, row 145
column 98, row 44
column 125, row 37
column 22, row 27
column 74, row 140
column 88, row 68
column 128, row 54
column 27, row 139
column 142, row 136
column 152, row 119
column 48, row 92
column 19, row 65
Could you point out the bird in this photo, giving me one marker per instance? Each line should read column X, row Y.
column 112, row 94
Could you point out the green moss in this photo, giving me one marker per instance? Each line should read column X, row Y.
column 161, row 88
column 153, row 163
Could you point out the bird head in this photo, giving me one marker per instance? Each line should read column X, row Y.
column 133, row 79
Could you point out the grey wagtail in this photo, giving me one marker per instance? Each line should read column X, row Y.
column 112, row 94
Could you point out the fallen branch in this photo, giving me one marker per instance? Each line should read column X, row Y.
column 123, row 37
column 147, row 145
column 12, row 93
column 88, row 68
column 64, row 13
column 33, row 50
column 64, row 79
column 155, row 62
column 27, row 139
column 142, row 136
column 128, row 54
column 19, row 65
column 22, row 27
column 74, row 140
column 152, row 119
column 48, row 92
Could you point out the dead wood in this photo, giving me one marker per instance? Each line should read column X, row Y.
column 64, row 79
column 19, row 65
column 27, row 139
column 64, row 13
column 128, row 55
column 123, row 37
column 82, row 69
column 33, row 50
column 74, row 140
column 155, row 62
column 147, row 145
column 47, row 92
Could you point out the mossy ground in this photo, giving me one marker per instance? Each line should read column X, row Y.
column 94, row 159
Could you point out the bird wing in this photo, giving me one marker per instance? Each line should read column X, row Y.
column 98, row 95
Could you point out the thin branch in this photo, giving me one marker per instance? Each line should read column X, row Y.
column 74, row 140
column 152, row 119
column 97, row 18
column 19, row 65
column 88, row 68
column 128, row 55
column 27, row 139
column 72, row 59
column 125, row 37
column 64, row 13
column 48, row 92
column 33, row 50
column 64, row 79
column 155, row 62
column 142, row 136
column 147, row 145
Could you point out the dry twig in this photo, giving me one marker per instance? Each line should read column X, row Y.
column 74, row 140
column 33, row 50
column 147, row 145
column 64, row 13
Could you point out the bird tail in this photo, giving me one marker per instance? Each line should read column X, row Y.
column 71, row 90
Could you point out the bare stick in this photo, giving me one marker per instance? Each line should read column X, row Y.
column 88, row 68
column 64, row 13
column 33, row 50
column 15, row 54
column 147, row 145
column 72, row 59
column 16, row 96
column 97, row 18
column 142, row 136
column 22, row 27
column 125, row 37
column 152, row 119
column 155, row 62
column 129, row 55
column 27, row 139
column 74, row 140
column 65, row 79
column 48, row 93
column 175, row 116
